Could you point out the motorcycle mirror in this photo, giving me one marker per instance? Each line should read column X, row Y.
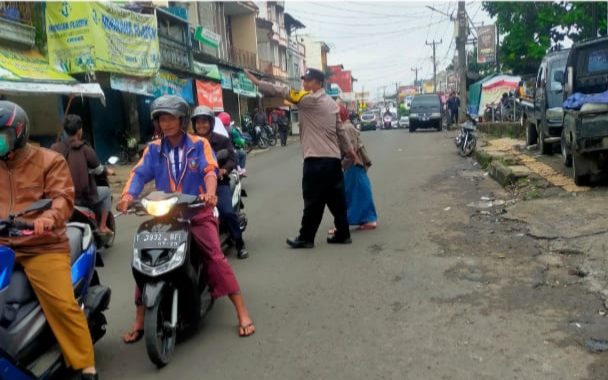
column 113, row 160
column 40, row 205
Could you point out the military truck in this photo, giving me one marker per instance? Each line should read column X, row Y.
column 584, row 140
column 541, row 103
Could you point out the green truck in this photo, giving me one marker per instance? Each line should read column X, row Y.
column 584, row 139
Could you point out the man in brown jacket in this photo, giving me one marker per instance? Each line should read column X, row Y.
column 29, row 174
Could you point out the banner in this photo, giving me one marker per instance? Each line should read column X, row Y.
column 486, row 44
column 226, row 79
column 163, row 83
column 17, row 65
column 209, row 94
column 243, row 86
column 84, row 37
column 206, row 70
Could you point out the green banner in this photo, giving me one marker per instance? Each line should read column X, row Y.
column 18, row 65
column 85, row 37
column 207, row 37
column 243, row 86
column 207, row 70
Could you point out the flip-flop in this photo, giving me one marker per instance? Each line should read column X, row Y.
column 331, row 231
column 135, row 336
column 366, row 227
column 245, row 329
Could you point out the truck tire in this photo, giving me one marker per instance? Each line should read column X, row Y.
column 531, row 135
column 580, row 173
column 544, row 147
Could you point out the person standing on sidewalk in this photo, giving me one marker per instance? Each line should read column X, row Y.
column 323, row 138
column 283, row 122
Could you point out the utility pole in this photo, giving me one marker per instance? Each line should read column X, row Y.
column 415, row 70
column 434, row 43
column 397, row 94
column 461, row 40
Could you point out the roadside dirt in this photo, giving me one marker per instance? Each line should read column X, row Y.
column 543, row 257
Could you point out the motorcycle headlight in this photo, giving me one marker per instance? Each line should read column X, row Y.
column 158, row 208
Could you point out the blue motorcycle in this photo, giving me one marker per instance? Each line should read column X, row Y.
column 28, row 349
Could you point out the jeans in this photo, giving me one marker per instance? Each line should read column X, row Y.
column 227, row 215
column 242, row 158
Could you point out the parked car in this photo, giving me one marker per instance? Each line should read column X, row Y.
column 369, row 121
column 542, row 114
column 584, row 140
column 394, row 121
column 404, row 122
column 426, row 112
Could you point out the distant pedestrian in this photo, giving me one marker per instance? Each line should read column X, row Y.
column 453, row 106
column 323, row 137
column 283, row 123
column 359, row 200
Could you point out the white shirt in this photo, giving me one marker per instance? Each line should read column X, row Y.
column 182, row 162
column 219, row 128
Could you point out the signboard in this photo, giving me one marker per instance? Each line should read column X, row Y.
column 407, row 90
column 486, row 44
column 206, row 70
column 163, row 83
column 17, row 65
column 207, row 37
column 226, row 80
column 209, row 94
column 95, row 36
column 243, row 86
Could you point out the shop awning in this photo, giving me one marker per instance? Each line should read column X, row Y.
column 29, row 73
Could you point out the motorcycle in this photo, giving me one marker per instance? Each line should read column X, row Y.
column 387, row 122
column 169, row 271
column 259, row 136
column 28, row 349
column 238, row 193
column 466, row 140
column 83, row 214
column 271, row 136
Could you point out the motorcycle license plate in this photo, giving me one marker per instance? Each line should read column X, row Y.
column 159, row 240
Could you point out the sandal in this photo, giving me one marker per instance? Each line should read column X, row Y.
column 367, row 226
column 133, row 336
column 332, row 231
column 243, row 330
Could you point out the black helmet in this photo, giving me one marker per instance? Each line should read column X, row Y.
column 14, row 128
column 202, row 111
column 173, row 105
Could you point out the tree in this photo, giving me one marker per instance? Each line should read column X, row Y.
column 529, row 29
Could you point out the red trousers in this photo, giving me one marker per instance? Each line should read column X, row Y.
column 205, row 232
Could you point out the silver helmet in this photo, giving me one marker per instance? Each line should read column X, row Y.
column 173, row 105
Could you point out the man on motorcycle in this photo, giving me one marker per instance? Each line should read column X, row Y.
column 29, row 174
column 82, row 160
column 259, row 118
column 202, row 119
column 237, row 140
column 185, row 163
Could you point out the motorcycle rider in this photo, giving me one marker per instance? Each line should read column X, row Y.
column 32, row 173
column 237, row 140
column 185, row 163
column 202, row 118
column 81, row 159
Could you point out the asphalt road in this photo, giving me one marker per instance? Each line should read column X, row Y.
column 381, row 308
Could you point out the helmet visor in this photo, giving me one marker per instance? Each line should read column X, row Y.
column 7, row 141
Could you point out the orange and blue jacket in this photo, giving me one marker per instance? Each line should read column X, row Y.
column 155, row 165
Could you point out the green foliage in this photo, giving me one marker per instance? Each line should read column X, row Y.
column 403, row 111
column 529, row 29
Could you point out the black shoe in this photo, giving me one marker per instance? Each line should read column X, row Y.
column 338, row 240
column 89, row 376
column 297, row 243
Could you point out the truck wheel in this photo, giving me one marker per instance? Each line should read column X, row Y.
column 531, row 135
column 544, row 147
column 566, row 156
column 580, row 169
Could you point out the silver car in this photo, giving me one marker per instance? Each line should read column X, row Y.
column 404, row 122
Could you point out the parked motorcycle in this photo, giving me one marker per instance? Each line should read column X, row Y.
column 86, row 215
column 28, row 349
column 168, row 269
column 271, row 136
column 466, row 140
column 259, row 137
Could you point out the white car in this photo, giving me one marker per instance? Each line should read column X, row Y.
column 404, row 122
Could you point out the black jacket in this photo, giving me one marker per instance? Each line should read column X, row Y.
column 224, row 151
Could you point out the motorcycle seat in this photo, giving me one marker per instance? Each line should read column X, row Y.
column 19, row 294
column 75, row 235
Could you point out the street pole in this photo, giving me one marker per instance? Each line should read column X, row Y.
column 461, row 40
column 415, row 70
column 434, row 43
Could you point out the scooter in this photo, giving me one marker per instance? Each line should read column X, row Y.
column 168, row 269
column 236, row 187
column 387, row 122
column 86, row 215
column 28, row 349
column 466, row 140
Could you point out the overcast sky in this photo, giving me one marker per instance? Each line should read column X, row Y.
column 382, row 41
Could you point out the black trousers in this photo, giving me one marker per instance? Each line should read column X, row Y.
column 283, row 134
column 323, row 184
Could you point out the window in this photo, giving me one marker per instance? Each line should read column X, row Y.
column 597, row 61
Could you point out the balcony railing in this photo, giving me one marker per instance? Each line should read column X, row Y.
column 174, row 54
column 244, row 58
column 17, row 11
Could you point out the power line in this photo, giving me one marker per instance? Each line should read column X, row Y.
column 367, row 13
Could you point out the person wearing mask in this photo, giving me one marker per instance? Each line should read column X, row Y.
column 202, row 117
column 29, row 174
column 323, row 138
column 185, row 163
column 84, row 164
